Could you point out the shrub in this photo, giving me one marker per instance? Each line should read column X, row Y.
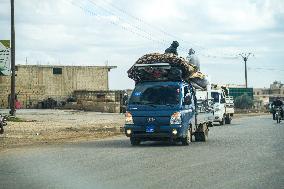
column 243, row 102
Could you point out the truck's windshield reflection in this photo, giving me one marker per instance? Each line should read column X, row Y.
column 155, row 95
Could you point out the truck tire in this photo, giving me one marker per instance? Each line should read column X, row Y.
column 222, row 122
column 228, row 120
column 134, row 141
column 188, row 139
column 1, row 129
column 200, row 137
column 277, row 118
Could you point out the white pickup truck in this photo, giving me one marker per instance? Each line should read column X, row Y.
column 204, row 106
column 223, row 107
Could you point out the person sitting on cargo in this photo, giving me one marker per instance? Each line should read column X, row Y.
column 173, row 48
column 277, row 103
column 193, row 59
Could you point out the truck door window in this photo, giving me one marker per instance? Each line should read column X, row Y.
column 187, row 96
column 215, row 96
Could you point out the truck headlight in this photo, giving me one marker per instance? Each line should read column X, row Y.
column 128, row 118
column 175, row 118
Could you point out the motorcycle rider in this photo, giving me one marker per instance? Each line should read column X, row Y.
column 277, row 103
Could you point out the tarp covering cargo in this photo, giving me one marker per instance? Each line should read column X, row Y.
column 159, row 67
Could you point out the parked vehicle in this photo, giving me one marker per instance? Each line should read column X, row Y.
column 3, row 122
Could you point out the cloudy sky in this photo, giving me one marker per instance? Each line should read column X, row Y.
column 116, row 33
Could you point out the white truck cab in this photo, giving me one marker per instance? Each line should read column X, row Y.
column 223, row 106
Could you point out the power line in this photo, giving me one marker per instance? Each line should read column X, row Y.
column 266, row 69
column 168, row 34
column 138, row 30
column 132, row 30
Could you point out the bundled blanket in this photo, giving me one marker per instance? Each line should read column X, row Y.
column 179, row 69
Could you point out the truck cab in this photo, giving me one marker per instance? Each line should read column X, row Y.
column 223, row 107
column 160, row 110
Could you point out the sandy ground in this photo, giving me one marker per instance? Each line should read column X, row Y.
column 56, row 126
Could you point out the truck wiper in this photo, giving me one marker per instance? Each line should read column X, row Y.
column 171, row 105
column 136, row 103
column 150, row 104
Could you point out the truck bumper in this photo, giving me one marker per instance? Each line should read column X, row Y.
column 159, row 133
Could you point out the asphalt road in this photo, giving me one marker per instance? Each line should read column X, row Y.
column 249, row 153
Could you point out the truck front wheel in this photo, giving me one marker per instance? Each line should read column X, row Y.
column 134, row 141
column 1, row 129
column 222, row 122
column 228, row 120
column 200, row 137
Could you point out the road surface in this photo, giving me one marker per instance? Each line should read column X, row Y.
column 249, row 153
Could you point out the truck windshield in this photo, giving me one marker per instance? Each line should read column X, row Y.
column 215, row 96
column 155, row 95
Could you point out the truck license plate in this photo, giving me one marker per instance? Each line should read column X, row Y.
column 150, row 129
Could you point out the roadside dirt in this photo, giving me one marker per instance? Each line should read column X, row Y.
column 61, row 126
column 249, row 114
column 57, row 126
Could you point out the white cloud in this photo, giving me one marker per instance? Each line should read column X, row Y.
column 59, row 31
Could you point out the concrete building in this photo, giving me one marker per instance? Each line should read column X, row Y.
column 266, row 95
column 35, row 83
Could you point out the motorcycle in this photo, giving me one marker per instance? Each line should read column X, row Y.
column 278, row 115
column 3, row 122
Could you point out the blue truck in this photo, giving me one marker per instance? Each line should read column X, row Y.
column 166, row 111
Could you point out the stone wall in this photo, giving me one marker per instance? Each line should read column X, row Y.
column 99, row 101
column 37, row 82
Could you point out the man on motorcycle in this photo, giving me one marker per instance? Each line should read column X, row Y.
column 277, row 103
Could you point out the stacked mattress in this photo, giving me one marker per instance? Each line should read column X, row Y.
column 166, row 67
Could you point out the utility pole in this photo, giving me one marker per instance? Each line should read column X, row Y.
column 13, row 78
column 245, row 57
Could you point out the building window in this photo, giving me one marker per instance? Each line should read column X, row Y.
column 57, row 71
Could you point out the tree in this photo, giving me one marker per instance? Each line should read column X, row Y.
column 243, row 102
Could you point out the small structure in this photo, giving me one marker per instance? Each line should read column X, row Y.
column 99, row 101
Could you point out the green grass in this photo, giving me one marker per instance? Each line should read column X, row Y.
column 15, row 119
